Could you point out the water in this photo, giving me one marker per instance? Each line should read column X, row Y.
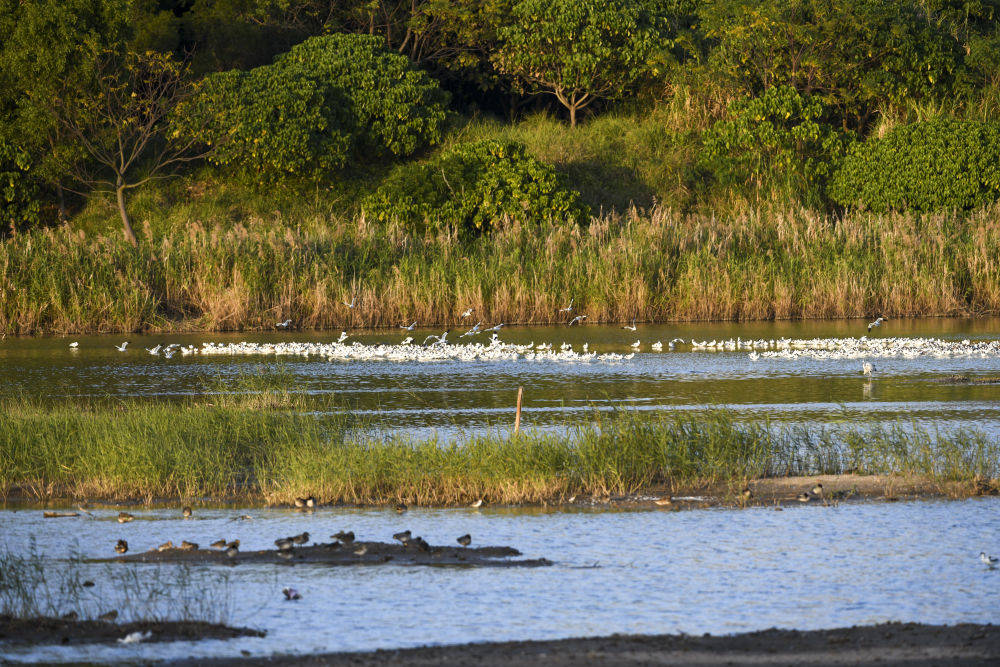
column 453, row 398
column 712, row 570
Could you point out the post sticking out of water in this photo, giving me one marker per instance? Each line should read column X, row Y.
column 517, row 418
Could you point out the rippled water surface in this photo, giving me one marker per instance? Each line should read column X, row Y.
column 453, row 397
column 714, row 570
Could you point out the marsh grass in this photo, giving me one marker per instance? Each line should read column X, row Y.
column 272, row 452
column 653, row 266
column 33, row 586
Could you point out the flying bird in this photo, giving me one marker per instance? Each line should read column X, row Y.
column 351, row 304
column 467, row 313
column 876, row 323
column 577, row 319
column 567, row 309
column 283, row 325
column 121, row 348
column 408, row 328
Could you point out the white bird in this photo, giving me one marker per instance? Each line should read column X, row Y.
column 407, row 340
column 567, row 309
column 636, row 344
column 472, row 332
column 135, row 637
column 990, row 561
column 343, row 337
column 121, row 348
column 437, row 339
column 467, row 313
column 577, row 319
column 630, row 327
column 408, row 328
column 169, row 353
column 494, row 329
column 753, row 356
column 867, row 368
column 477, row 504
column 876, row 323
column 283, row 325
column 154, row 350
column 657, row 346
column 351, row 304
column 74, row 345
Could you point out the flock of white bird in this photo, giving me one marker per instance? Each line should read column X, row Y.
column 437, row 347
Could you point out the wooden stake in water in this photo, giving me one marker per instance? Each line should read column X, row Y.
column 517, row 418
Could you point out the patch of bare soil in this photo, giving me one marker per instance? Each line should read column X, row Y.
column 21, row 631
column 892, row 643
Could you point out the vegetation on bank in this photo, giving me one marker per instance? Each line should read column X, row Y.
column 268, row 447
column 655, row 266
column 721, row 160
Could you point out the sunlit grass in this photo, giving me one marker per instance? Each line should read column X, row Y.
column 252, row 449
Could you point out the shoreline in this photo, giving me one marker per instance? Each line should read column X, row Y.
column 767, row 492
column 887, row 643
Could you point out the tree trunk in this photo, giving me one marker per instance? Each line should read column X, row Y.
column 126, row 223
column 572, row 115
column 62, row 202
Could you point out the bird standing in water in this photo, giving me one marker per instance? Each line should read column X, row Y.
column 121, row 547
column 465, row 540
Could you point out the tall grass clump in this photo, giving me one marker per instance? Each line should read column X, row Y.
column 654, row 266
column 277, row 452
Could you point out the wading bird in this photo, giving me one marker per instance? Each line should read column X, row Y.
column 477, row 504
column 876, row 323
column 232, row 551
column 636, row 344
column 803, row 497
column 109, row 616
column 465, row 540
column 121, row 547
column 125, row 517
column 301, row 538
column 663, row 502
column 345, row 536
column 403, row 536
column 283, row 543
column 186, row 512
column 867, row 368
column 218, row 544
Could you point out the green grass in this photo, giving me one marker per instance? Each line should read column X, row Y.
column 273, row 446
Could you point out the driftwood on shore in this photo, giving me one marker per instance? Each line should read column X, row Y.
column 335, row 553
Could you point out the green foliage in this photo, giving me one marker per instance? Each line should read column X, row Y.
column 855, row 54
column 582, row 50
column 397, row 109
column 779, row 136
column 330, row 101
column 938, row 164
column 19, row 193
column 475, row 187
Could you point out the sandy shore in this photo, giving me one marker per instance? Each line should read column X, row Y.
column 892, row 643
column 46, row 630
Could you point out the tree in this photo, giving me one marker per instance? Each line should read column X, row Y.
column 581, row 50
column 856, row 55
column 330, row 101
column 121, row 126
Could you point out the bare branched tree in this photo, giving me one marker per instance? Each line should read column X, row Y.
column 122, row 124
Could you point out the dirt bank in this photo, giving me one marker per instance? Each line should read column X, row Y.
column 891, row 643
column 21, row 631
column 335, row 553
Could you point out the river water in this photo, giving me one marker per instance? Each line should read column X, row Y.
column 709, row 570
column 450, row 398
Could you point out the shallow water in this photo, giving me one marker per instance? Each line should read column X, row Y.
column 711, row 570
column 451, row 397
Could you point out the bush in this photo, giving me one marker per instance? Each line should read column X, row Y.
column 780, row 136
column 330, row 101
column 20, row 207
column 474, row 187
column 938, row 164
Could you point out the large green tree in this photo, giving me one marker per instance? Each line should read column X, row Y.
column 582, row 50
column 856, row 55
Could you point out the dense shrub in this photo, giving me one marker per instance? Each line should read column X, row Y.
column 330, row 101
column 939, row 164
column 19, row 194
column 476, row 186
column 779, row 136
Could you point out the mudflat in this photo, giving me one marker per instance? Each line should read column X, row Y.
column 45, row 630
column 891, row 643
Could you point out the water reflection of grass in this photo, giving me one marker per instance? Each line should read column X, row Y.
column 274, row 445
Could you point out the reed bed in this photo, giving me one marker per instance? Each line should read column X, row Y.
column 271, row 451
column 654, row 266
